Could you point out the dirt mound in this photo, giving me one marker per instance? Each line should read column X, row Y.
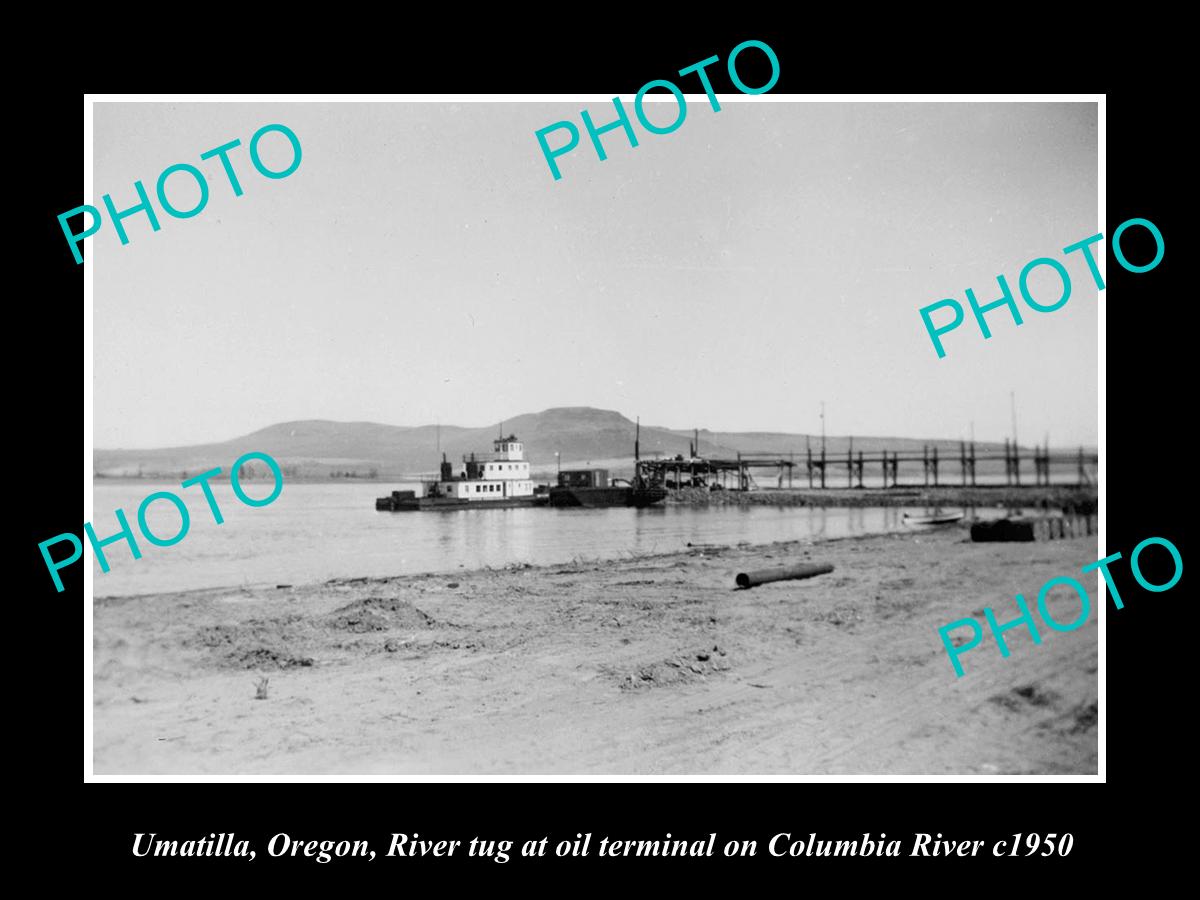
column 266, row 658
column 846, row 616
column 255, row 644
column 1086, row 717
column 378, row 614
column 1027, row 695
column 1079, row 720
column 680, row 669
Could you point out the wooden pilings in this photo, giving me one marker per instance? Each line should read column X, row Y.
column 891, row 466
column 930, row 461
column 1041, row 465
column 737, row 473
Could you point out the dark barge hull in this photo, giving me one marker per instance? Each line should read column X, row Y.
column 422, row 504
column 592, row 497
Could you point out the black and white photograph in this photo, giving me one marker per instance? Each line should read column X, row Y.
column 512, row 436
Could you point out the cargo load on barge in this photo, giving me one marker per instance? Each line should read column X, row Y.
column 592, row 488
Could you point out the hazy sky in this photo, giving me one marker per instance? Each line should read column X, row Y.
column 422, row 264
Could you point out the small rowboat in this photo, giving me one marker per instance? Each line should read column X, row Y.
column 933, row 519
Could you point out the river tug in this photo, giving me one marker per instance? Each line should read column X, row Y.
column 491, row 480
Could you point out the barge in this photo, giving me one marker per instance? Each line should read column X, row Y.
column 592, row 488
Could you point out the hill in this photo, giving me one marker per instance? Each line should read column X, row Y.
column 323, row 449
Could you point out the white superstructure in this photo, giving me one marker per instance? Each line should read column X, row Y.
column 499, row 475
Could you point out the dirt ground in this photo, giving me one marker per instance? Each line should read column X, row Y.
column 653, row 665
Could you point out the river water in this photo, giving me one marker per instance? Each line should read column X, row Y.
column 314, row 532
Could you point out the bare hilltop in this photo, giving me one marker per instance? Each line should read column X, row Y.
column 319, row 448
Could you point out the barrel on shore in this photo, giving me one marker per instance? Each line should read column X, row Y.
column 1030, row 529
column 784, row 573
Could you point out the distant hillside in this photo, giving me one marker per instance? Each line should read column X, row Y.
column 322, row 449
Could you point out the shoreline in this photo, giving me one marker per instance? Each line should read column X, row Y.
column 1049, row 497
column 742, row 499
column 651, row 665
column 1082, row 498
column 263, row 588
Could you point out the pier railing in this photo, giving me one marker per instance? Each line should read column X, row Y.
column 931, row 467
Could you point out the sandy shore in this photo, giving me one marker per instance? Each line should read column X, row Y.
column 648, row 665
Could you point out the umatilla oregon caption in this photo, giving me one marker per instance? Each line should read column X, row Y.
column 501, row 851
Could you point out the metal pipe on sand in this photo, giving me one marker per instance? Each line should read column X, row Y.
column 785, row 573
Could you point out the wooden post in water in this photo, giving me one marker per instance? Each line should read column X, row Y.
column 925, row 463
column 695, row 453
column 860, row 468
column 935, row 466
column 808, row 452
column 850, row 465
